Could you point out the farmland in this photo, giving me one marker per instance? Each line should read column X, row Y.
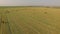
column 30, row 20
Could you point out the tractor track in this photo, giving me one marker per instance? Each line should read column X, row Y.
column 4, row 24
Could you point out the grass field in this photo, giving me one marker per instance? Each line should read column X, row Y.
column 30, row 20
